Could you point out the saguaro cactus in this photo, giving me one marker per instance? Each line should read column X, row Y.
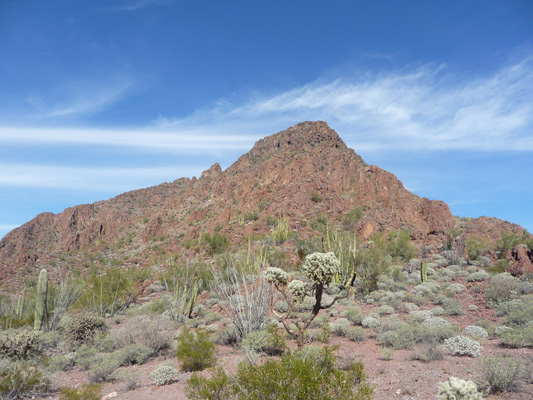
column 424, row 271
column 41, row 313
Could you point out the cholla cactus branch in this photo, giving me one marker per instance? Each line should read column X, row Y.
column 276, row 276
column 321, row 267
column 297, row 289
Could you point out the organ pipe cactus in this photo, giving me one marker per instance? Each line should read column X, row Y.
column 41, row 313
column 21, row 302
column 424, row 271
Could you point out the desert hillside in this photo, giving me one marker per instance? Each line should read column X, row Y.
column 298, row 175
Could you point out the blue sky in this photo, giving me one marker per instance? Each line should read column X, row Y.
column 101, row 97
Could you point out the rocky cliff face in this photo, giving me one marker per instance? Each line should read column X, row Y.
column 296, row 174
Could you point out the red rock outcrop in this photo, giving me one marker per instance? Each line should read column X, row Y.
column 521, row 260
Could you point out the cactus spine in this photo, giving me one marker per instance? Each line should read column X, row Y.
column 40, row 301
column 424, row 272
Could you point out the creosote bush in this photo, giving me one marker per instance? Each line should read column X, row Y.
column 152, row 332
column 195, row 350
column 20, row 380
column 292, row 377
column 502, row 374
column 86, row 392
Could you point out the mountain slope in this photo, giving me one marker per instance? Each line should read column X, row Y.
column 297, row 174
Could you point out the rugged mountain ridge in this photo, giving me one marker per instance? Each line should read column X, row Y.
column 296, row 174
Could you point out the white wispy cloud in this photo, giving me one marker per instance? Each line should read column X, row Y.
column 424, row 108
column 114, row 180
column 77, row 100
column 197, row 139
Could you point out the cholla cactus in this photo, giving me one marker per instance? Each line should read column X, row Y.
column 457, row 389
column 318, row 267
column 321, row 267
column 276, row 276
column 297, row 289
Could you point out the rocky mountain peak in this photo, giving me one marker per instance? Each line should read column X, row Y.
column 304, row 135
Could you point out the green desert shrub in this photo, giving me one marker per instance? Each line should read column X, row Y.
column 86, row 356
column 295, row 378
column 478, row 276
column 110, row 291
column 132, row 354
column 104, row 368
column 355, row 333
column 517, row 337
column 400, row 339
column 429, row 352
column 475, row 247
column 269, row 341
column 486, row 324
column 371, row 322
column 340, row 327
column 164, row 374
column 195, row 350
column 506, row 242
column 399, row 245
column 150, row 331
column 61, row 362
column 292, row 377
column 228, row 337
column 217, row 242
column 280, row 233
column 82, row 328
column 518, row 314
column 502, row 374
column 86, row 392
column 24, row 345
column 406, row 336
column 503, row 287
column 20, row 380
column 453, row 307
column 217, row 387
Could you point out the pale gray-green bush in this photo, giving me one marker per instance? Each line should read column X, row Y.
column 163, row 375
column 463, row 346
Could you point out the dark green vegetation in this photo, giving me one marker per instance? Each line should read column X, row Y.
column 108, row 318
column 293, row 377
